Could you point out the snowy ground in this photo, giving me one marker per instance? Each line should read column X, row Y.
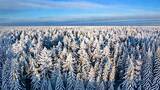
column 80, row 58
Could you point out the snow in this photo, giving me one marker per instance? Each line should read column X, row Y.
column 80, row 58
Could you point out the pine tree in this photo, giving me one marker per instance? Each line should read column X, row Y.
column 59, row 83
column 156, row 80
column 147, row 75
column 35, row 75
column 45, row 62
column 54, row 75
column 100, row 86
column 84, row 63
column 79, row 85
column 35, row 83
column 6, row 71
column 45, row 84
column 138, row 70
column 129, row 82
column 106, row 70
column 49, row 85
column 71, row 76
column 71, row 81
column 112, row 76
column 96, row 53
column 68, row 64
column 15, row 83
column 91, row 82
column 59, row 47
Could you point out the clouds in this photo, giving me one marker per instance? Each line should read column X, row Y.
column 73, row 10
column 48, row 4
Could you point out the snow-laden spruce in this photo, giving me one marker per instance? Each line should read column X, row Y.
column 80, row 58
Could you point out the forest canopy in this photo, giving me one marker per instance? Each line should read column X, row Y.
column 80, row 58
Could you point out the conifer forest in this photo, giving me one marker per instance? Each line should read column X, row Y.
column 80, row 58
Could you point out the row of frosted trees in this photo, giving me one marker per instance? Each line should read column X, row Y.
column 80, row 58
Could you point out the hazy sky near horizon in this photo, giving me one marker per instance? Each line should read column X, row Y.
column 77, row 10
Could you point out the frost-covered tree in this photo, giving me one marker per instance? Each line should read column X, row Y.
column 130, row 77
column 84, row 62
column 68, row 65
column 105, row 74
column 35, row 75
column 101, row 86
column 91, row 82
column 111, row 79
column 45, row 62
column 54, row 75
column 35, row 83
column 6, row 71
column 156, row 80
column 59, row 83
column 79, row 85
column 138, row 70
column 71, row 81
column 147, row 74
column 15, row 76
column 46, row 84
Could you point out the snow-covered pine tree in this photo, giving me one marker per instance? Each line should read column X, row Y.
column 59, row 48
column 17, row 47
column 156, row 80
column 63, row 54
column 91, row 82
column 79, row 85
column 129, row 82
column 14, row 82
column 101, row 86
column 45, row 62
column 18, row 65
column 45, row 81
column 56, row 70
column 109, row 68
column 46, row 84
column 39, row 45
column 105, row 74
column 113, row 61
column 59, row 83
column 34, row 75
column 24, row 67
column 98, row 69
column 74, row 46
column 96, row 53
column 54, row 75
column 84, row 63
column 71, row 81
column 120, row 67
column 112, row 78
column 138, row 70
column 68, row 64
column 71, row 76
column 147, row 68
column 6, row 71
column 35, row 83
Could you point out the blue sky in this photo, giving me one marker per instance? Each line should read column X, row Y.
column 12, row 11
